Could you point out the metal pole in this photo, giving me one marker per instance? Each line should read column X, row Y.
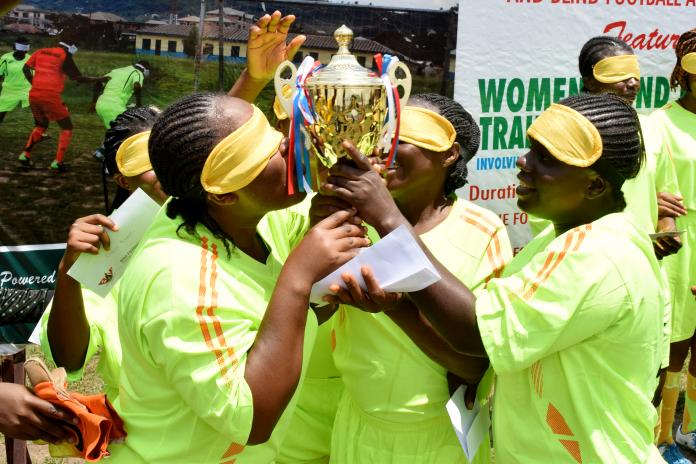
column 221, row 49
column 199, row 49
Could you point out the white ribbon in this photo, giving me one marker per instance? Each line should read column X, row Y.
column 390, row 128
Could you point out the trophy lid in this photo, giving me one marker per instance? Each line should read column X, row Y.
column 344, row 69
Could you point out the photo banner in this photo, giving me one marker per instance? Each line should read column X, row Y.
column 515, row 58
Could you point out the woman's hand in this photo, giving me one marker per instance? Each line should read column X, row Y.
column 25, row 416
column 669, row 205
column 324, row 206
column 87, row 235
column 267, row 48
column 329, row 244
column 372, row 300
column 362, row 186
column 665, row 246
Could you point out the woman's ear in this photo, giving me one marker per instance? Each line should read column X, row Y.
column 122, row 181
column 597, row 188
column 590, row 83
column 452, row 155
column 223, row 199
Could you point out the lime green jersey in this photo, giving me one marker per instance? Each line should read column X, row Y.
column 103, row 339
column 677, row 127
column 121, row 84
column 573, row 331
column 11, row 70
column 385, row 373
column 188, row 315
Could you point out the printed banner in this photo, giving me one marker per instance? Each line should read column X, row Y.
column 516, row 57
column 27, row 278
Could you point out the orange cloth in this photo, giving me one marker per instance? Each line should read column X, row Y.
column 99, row 424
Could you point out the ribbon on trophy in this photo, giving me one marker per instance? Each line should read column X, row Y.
column 390, row 136
column 298, row 143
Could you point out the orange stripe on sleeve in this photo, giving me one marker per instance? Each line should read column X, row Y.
column 572, row 243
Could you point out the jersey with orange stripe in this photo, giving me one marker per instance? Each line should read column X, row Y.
column 385, row 374
column 188, row 315
column 573, row 331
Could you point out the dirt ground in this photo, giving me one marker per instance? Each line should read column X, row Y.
column 38, row 205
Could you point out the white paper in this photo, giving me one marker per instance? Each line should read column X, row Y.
column 397, row 262
column 35, row 336
column 470, row 426
column 100, row 272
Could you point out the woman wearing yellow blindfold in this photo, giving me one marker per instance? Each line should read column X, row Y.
column 437, row 138
column 676, row 124
column 207, row 298
column 583, row 300
column 608, row 65
column 78, row 323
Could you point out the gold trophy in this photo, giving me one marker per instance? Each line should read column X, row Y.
column 344, row 101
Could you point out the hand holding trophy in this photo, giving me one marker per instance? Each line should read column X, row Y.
column 337, row 102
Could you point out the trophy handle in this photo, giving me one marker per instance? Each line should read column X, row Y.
column 281, row 83
column 404, row 82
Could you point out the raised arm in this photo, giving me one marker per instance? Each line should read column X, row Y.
column 266, row 50
column 68, row 329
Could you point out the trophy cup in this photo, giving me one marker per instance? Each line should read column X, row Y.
column 340, row 101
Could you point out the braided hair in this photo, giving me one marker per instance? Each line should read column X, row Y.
column 598, row 48
column 468, row 134
column 685, row 45
column 126, row 124
column 179, row 145
column 130, row 122
column 622, row 140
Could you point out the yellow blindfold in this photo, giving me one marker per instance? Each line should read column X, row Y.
column 426, row 129
column 241, row 156
column 132, row 157
column 569, row 136
column 615, row 69
column 688, row 63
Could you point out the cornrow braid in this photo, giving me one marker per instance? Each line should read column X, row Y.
column 468, row 134
column 622, row 139
column 179, row 145
column 685, row 45
column 598, row 48
column 130, row 122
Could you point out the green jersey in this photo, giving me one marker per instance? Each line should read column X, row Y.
column 386, row 374
column 103, row 339
column 573, row 331
column 677, row 127
column 11, row 69
column 120, row 86
column 188, row 316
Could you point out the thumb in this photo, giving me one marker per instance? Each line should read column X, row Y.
column 361, row 161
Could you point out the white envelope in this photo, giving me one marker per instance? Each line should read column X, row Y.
column 100, row 272
column 397, row 262
column 470, row 426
